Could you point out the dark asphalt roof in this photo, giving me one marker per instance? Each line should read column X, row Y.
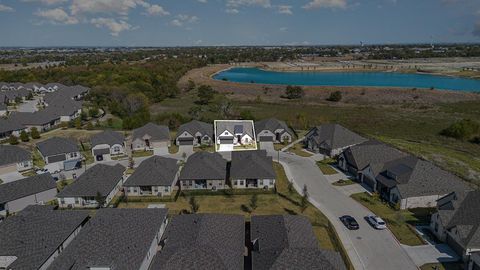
column 115, row 238
column 196, row 126
column 39, row 118
column 286, row 242
column 232, row 126
column 271, row 125
column 251, row 165
column 8, row 125
column 204, row 166
column 56, row 146
column 35, row 233
column 205, row 241
column 462, row 211
column 416, row 177
column 10, row 154
column 108, row 137
column 24, row 187
column 99, row 178
column 155, row 171
column 333, row 136
column 155, row 132
column 371, row 152
column 3, row 107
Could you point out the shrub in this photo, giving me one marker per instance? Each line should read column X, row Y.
column 462, row 130
column 24, row 136
column 294, row 92
column 335, row 96
column 34, row 133
column 13, row 140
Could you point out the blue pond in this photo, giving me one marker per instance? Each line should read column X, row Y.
column 376, row 79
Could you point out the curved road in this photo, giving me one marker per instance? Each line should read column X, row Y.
column 367, row 248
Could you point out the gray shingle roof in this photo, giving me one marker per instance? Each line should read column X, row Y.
column 463, row 212
column 10, row 154
column 99, row 178
column 251, row 165
column 155, row 132
column 38, row 118
column 288, row 241
column 196, row 126
column 371, row 152
column 204, row 166
column 334, row 136
column 35, row 233
column 231, row 126
column 8, row 125
column 108, row 137
column 115, row 238
column 3, row 107
column 56, row 146
column 272, row 124
column 155, row 171
column 416, row 177
column 205, row 241
column 24, row 187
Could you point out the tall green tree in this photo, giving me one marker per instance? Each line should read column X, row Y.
column 294, row 92
column 13, row 140
column 205, row 94
column 24, row 136
column 34, row 133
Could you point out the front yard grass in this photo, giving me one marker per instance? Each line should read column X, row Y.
column 63, row 183
column 443, row 266
column 37, row 159
column 399, row 222
column 297, row 149
column 326, row 168
column 204, row 148
column 137, row 154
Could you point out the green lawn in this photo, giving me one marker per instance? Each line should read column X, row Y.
column 37, row 159
column 399, row 222
column 137, row 154
column 63, row 183
column 297, row 149
column 326, row 168
column 443, row 266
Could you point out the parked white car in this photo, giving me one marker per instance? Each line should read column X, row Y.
column 41, row 171
column 376, row 222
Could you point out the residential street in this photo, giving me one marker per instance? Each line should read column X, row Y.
column 367, row 248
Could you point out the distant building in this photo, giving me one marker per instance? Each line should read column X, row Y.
column 331, row 139
column 16, row 195
column 36, row 236
column 273, row 130
column 116, row 239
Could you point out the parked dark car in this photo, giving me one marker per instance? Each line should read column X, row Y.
column 349, row 222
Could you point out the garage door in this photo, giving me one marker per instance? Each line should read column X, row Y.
column 266, row 138
column 185, row 142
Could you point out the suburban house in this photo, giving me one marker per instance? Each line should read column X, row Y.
column 411, row 182
column 16, row 195
column 206, row 241
column 14, row 159
column 195, row 133
column 42, row 120
column 204, row 170
column 252, row 169
column 151, row 137
column 283, row 242
column 9, row 127
column 116, row 239
column 36, row 236
column 60, row 154
column 374, row 153
column 155, row 176
column 457, row 222
column 234, row 135
column 3, row 109
column 331, row 139
column 100, row 180
column 273, row 130
column 107, row 144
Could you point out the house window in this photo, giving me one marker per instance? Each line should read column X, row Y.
column 155, row 189
column 260, row 182
column 116, row 149
column 62, row 201
column 241, row 182
column 166, row 189
column 210, row 183
column 26, row 164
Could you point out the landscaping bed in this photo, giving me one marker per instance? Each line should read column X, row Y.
column 297, row 149
column 344, row 182
column 137, row 154
column 400, row 222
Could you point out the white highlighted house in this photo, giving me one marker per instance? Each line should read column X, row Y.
column 234, row 135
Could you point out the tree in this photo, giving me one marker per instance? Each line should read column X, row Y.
column 194, row 206
column 304, row 200
column 24, row 136
column 335, row 96
column 247, row 115
column 462, row 130
column 34, row 133
column 13, row 140
column 205, row 94
column 253, row 201
column 294, row 92
column 93, row 112
column 78, row 123
column 100, row 199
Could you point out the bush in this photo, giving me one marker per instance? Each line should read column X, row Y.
column 34, row 133
column 462, row 130
column 294, row 92
column 12, row 140
column 205, row 94
column 24, row 136
column 335, row 96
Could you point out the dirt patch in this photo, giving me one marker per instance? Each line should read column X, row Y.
column 319, row 94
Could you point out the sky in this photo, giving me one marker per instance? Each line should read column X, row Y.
column 36, row 23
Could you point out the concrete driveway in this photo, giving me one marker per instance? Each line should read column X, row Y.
column 431, row 254
column 267, row 146
column 161, row 151
column 29, row 106
column 367, row 248
column 10, row 177
column 187, row 149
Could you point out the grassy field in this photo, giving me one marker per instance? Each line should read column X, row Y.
column 399, row 222
column 411, row 127
column 268, row 204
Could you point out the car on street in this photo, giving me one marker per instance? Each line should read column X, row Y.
column 349, row 222
column 376, row 222
column 41, row 171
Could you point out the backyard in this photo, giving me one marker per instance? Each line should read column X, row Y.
column 399, row 222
